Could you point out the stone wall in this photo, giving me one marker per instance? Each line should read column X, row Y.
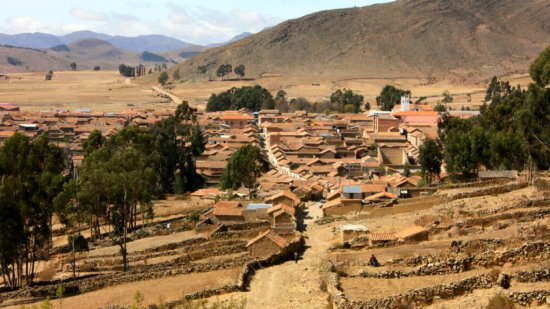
column 490, row 191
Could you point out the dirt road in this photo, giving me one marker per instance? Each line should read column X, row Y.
column 293, row 285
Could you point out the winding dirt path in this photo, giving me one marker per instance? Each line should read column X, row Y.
column 291, row 284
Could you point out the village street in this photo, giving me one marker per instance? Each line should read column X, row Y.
column 291, row 284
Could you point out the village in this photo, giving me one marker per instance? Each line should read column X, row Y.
column 341, row 190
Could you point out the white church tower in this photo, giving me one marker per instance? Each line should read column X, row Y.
column 405, row 104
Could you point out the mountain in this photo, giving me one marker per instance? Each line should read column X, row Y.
column 421, row 38
column 30, row 40
column 234, row 39
column 86, row 53
column 151, row 43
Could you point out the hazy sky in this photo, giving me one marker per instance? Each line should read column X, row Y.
column 195, row 21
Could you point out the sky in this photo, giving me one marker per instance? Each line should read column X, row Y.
column 194, row 21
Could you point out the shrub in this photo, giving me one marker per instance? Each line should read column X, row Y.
column 500, row 302
column 14, row 61
column 147, row 56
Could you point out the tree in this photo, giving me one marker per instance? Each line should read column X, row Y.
column 440, row 108
column 390, row 96
column 239, row 70
column 163, row 78
column 97, row 68
column 30, row 179
column 243, row 168
column 125, row 164
column 173, row 141
column 73, row 66
column 281, row 94
column 224, row 70
column 407, row 170
column 198, row 141
column 430, row 158
column 176, row 75
column 253, row 98
column 447, row 98
column 540, row 69
column 49, row 76
column 347, row 98
column 202, row 69
column 70, row 214
column 126, row 70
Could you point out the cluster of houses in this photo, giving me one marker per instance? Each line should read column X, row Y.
column 346, row 161
column 68, row 129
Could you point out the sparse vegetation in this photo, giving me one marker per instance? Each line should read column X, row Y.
column 14, row 61
column 500, row 302
column 151, row 57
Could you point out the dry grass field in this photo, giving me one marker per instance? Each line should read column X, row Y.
column 109, row 92
column 154, row 291
column 100, row 91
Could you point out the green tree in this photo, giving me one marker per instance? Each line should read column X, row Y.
column 198, row 141
column 176, row 75
column 224, row 70
column 30, row 179
column 97, row 68
column 239, row 70
column 70, row 214
column 126, row 70
column 73, row 66
column 253, row 98
column 390, row 96
column 345, row 98
column 440, row 108
column 447, row 98
column 407, row 170
column 430, row 158
column 540, row 69
column 49, row 76
column 163, row 78
column 243, row 168
column 172, row 139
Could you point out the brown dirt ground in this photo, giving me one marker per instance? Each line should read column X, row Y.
column 153, row 291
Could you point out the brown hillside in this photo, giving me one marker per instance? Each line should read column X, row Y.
column 32, row 60
column 468, row 38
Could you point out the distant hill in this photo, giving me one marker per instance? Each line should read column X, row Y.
column 464, row 39
column 183, row 54
column 151, row 43
column 86, row 54
column 234, row 39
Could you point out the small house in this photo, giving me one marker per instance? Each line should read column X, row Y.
column 350, row 231
column 380, row 238
column 266, row 244
column 282, row 216
column 340, row 207
column 284, row 197
column 412, row 233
